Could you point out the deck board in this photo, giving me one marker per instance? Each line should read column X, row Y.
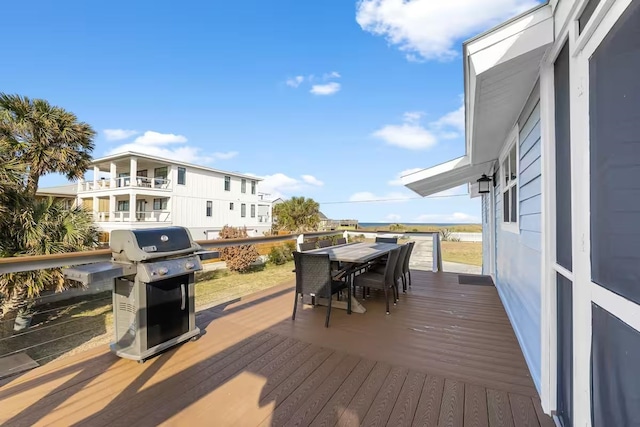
column 446, row 355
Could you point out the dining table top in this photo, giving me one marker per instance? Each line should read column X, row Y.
column 356, row 253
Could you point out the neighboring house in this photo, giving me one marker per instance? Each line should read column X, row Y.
column 327, row 224
column 552, row 102
column 64, row 193
column 132, row 190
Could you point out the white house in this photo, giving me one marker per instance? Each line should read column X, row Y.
column 552, row 103
column 133, row 190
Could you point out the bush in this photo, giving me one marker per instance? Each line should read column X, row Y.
column 288, row 249
column 238, row 258
column 396, row 227
column 356, row 238
column 277, row 256
column 447, row 236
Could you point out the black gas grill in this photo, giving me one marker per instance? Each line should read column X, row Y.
column 153, row 288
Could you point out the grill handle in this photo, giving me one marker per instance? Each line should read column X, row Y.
column 184, row 301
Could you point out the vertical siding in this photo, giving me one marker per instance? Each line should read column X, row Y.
column 519, row 254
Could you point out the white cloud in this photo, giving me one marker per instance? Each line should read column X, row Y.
column 295, row 81
column 326, row 89
column 331, row 75
column 408, row 135
column 397, row 181
column 366, row 196
column 118, row 134
column 456, row 217
column 393, row 217
column 159, row 144
column 310, row 179
column 411, row 134
column 156, row 138
column 428, row 29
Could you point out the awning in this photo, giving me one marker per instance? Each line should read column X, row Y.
column 501, row 68
column 445, row 176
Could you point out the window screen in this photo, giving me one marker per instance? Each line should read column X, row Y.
column 565, row 350
column 614, row 114
column 182, row 176
column 563, row 160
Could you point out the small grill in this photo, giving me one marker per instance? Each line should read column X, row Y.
column 153, row 273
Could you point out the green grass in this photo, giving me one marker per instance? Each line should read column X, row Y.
column 67, row 327
column 462, row 252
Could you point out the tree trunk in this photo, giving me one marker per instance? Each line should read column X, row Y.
column 32, row 183
column 9, row 310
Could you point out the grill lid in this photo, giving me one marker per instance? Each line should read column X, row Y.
column 143, row 245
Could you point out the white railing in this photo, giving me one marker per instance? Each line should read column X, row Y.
column 141, row 216
column 126, row 182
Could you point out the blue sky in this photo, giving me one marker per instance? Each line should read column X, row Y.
column 328, row 99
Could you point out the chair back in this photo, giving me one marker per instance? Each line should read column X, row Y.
column 313, row 274
column 404, row 249
column 390, row 268
column 307, row 246
column 407, row 257
column 325, row 243
column 341, row 241
column 387, row 240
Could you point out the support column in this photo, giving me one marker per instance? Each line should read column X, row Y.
column 96, row 208
column 132, row 207
column 96, row 172
column 112, row 208
column 81, row 185
column 133, row 171
column 114, row 175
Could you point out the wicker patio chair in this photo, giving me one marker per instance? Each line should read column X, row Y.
column 383, row 281
column 325, row 243
column 387, row 240
column 341, row 241
column 406, row 272
column 315, row 278
column 307, row 246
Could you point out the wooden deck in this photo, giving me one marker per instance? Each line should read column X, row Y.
column 446, row 356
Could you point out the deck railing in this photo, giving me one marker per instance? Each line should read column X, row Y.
column 77, row 318
column 124, row 182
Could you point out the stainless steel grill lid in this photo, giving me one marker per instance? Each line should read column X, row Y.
column 147, row 244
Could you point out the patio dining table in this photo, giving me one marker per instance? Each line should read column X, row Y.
column 353, row 253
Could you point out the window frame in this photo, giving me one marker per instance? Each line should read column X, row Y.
column 184, row 175
column 163, row 203
column 209, row 209
column 243, row 186
column 243, row 210
column 253, row 211
column 505, row 157
column 122, row 203
column 231, row 206
column 227, row 183
column 254, row 184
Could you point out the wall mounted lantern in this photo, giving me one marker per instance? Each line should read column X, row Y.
column 483, row 184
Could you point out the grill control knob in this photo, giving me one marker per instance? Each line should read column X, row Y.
column 162, row 271
column 189, row 265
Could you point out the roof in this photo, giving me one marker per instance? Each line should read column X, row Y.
column 501, row 67
column 127, row 154
column 67, row 190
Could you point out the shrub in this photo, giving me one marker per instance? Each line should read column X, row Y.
column 447, row 236
column 277, row 256
column 288, row 249
column 356, row 238
column 396, row 227
column 238, row 258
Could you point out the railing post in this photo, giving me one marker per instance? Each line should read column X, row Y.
column 436, row 253
column 299, row 241
column 345, row 234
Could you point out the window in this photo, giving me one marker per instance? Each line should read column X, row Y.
column 587, row 13
column 243, row 210
column 243, row 185
column 160, row 204
column 209, row 208
column 510, row 185
column 253, row 211
column 182, row 176
column 253, row 187
column 123, row 205
column 160, row 177
column 227, row 183
column 231, row 206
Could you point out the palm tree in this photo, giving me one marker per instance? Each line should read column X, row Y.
column 297, row 215
column 37, row 227
column 44, row 138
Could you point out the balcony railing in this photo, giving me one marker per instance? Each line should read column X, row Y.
column 126, row 182
column 141, row 216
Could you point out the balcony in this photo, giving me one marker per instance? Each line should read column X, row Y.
column 446, row 355
column 140, row 182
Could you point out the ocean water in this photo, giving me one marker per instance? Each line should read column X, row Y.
column 407, row 224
